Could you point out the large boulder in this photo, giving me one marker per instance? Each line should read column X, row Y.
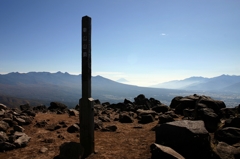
column 145, row 119
column 230, row 135
column 142, row 101
column 70, row 150
column 225, row 151
column 189, row 138
column 57, row 106
column 216, row 105
column 164, row 118
column 142, row 112
column 160, row 108
column 210, row 118
column 155, row 102
column 227, row 112
column 180, row 103
column 125, row 118
column 40, row 108
column 233, row 122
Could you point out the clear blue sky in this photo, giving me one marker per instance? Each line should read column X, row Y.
column 145, row 42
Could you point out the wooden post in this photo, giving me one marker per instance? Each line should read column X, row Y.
column 86, row 114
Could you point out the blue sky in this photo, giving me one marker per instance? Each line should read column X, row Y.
column 145, row 42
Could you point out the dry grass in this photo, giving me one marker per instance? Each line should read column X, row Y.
column 126, row 143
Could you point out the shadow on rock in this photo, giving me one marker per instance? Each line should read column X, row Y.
column 70, row 150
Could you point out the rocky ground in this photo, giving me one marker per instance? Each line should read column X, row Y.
column 191, row 127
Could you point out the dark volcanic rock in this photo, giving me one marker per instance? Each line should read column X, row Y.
column 3, row 126
column 111, row 128
column 98, row 124
column 73, row 128
column 232, row 122
column 5, row 146
column 210, row 118
column 172, row 114
column 159, row 151
column 3, row 137
column 29, row 112
column 180, row 103
column 63, row 124
column 142, row 112
column 104, row 118
column 229, row 135
column 185, row 103
column 73, row 112
column 145, row 119
column 18, row 128
column 141, row 100
column 189, row 138
column 53, row 127
column 40, row 108
column 227, row 112
column 57, row 106
column 160, row 108
column 2, row 106
column 225, row 151
column 126, row 101
column 10, row 121
column 216, row 105
column 41, row 124
column 2, row 112
column 164, row 118
column 125, row 118
column 70, row 150
column 28, row 119
column 189, row 113
column 25, row 107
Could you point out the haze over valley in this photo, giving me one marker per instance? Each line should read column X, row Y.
column 44, row 87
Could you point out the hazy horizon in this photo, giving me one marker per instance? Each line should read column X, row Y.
column 117, row 80
column 145, row 42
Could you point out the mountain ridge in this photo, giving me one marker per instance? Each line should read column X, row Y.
column 63, row 87
column 218, row 83
column 46, row 87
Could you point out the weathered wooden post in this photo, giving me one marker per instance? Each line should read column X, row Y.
column 86, row 114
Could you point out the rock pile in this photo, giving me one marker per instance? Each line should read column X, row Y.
column 11, row 131
column 194, row 126
column 205, row 129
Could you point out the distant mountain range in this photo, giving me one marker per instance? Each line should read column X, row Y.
column 224, row 83
column 43, row 87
